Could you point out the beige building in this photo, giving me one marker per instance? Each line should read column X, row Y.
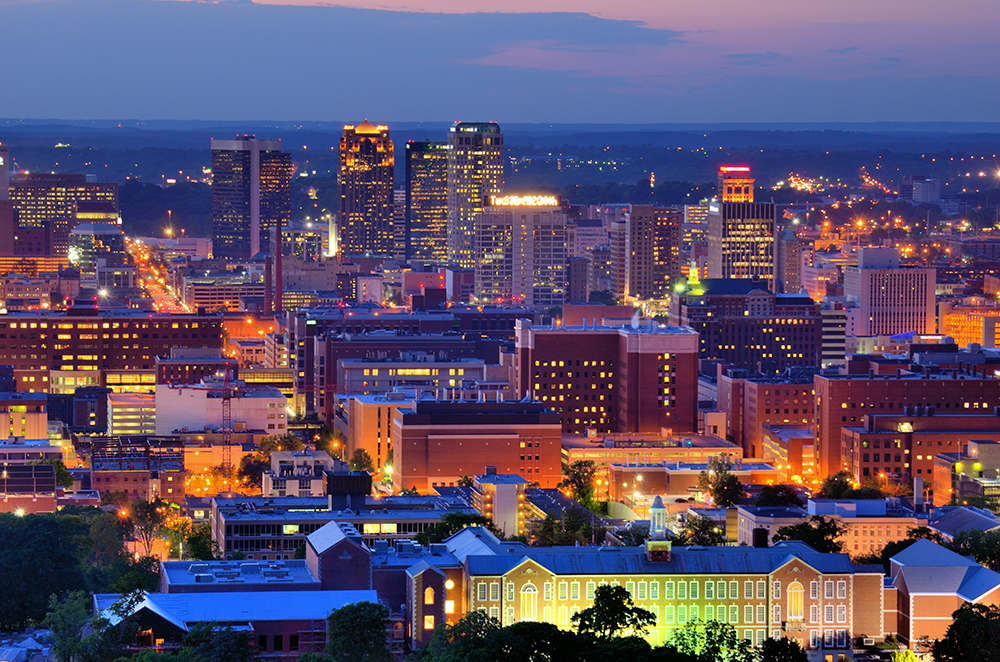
column 131, row 413
column 297, row 474
column 366, row 422
column 24, row 415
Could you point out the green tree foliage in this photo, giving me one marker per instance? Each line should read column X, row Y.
column 200, row 545
column 252, row 468
column 280, row 442
column 66, row 618
column 972, row 635
column 777, row 496
column 63, row 477
column 782, row 650
column 613, row 614
column 465, row 481
column 206, row 642
column 452, row 523
column 357, row 633
column 468, row 639
column 362, row 461
column 701, row 530
column 836, row 486
column 147, row 519
column 633, row 535
column 710, row 641
column 820, row 533
column 719, row 482
column 579, row 480
column 904, row 656
column 604, row 297
column 574, row 527
column 983, row 546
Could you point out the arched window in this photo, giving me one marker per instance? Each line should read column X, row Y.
column 795, row 601
column 428, row 596
column 529, row 602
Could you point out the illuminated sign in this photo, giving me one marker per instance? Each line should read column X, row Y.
column 734, row 169
column 524, row 201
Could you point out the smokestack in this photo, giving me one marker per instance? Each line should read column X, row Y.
column 278, row 275
column 918, row 494
column 268, row 284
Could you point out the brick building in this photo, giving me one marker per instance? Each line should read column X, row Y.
column 435, row 443
column 610, row 378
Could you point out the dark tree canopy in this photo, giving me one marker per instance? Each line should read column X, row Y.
column 972, row 635
column 357, row 633
column 720, row 482
column 777, row 496
column 613, row 614
column 820, row 533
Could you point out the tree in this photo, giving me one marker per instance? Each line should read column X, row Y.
column 701, row 530
column 632, row 535
column 465, row 481
column 711, row 642
column 904, row 656
column 466, row 640
column 719, row 481
column 605, row 297
column 576, row 526
column 612, row 614
column 63, row 477
column 252, row 468
column 362, row 461
column 208, row 642
column 983, row 546
column 452, row 523
column 579, row 480
column 836, row 486
column 357, row 633
column 200, row 545
column 820, row 533
column 777, row 496
column 782, row 650
column 280, row 442
column 147, row 519
column 66, row 618
column 530, row 642
column 972, row 635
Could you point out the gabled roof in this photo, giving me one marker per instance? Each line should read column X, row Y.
column 926, row 567
column 956, row 520
column 329, row 535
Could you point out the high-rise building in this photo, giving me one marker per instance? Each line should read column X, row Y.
column 741, row 323
column 667, row 240
column 520, row 251
column 251, row 193
column 740, row 231
column 4, row 172
column 399, row 224
column 475, row 170
column 99, row 252
column 50, row 200
column 695, row 226
column 889, row 299
column 427, row 202
column 788, row 252
column 364, row 215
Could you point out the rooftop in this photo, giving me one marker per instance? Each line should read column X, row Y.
column 244, row 573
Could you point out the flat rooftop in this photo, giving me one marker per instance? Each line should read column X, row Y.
column 652, row 441
column 250, row 574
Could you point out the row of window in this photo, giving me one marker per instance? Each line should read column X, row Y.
column 680, row 590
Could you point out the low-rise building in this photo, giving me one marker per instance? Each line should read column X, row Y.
column 131, row 413
column 298, row 473
column 501, row 498
column 197, row 407
column 139, row 473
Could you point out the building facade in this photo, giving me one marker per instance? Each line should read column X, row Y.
column 365, row 211
column 427, row 202
column 475, row 170
column 251, row 194
column 42, row 199
column 740, row 231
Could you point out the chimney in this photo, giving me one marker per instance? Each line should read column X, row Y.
column 760, row 538
column 278, row 275
column 918, row 493
column 268, row 285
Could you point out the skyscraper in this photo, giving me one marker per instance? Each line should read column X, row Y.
column 251, row 193
column 740, row 231
column 50, row 200
column 364, row 215
column 520, row 251
column 427, row 202
column 475, row 170
column 667, row 240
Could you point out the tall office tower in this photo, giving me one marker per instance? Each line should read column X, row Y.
column 364, row 215
column 50, row 200
column 520, row 251
column 695, row 226
column 788, row 252
column 667, row 239
column 475, row 170
column 399, row 224
column 740, row 231
column 427, row 202
column 251, row 193
column 888, row 299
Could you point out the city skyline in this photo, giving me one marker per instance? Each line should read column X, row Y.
column 785, row 63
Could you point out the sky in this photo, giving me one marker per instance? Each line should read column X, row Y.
column 546, row 61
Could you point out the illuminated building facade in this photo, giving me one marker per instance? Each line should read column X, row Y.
column 87, row 346
column 610, row 379
column 740, row 322
column 520, row 251
column 364, row 214
column 51, row 200
column 98, row 249
column 475, row 170
column 695, row 225
column 889, row 299
column 427, row 202
column 251, row 193
column 740, row 231
column 666, row 259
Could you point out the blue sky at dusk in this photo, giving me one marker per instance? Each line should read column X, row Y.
column 537, row 61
